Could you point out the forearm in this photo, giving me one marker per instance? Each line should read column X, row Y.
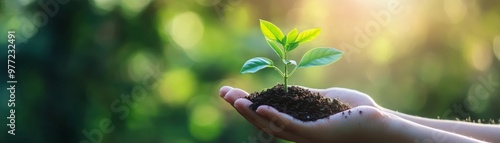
column 407, row 131
column 484, row 132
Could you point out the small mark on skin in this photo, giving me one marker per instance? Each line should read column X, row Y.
column 360, row 112
column 349, row 112
column 345, row 117
column 342, row 113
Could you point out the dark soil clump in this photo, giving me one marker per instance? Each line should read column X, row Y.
column 299, row 103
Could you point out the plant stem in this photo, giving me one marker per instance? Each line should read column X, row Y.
column 286, row 81
column 286, row 73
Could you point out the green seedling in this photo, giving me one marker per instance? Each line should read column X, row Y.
column 314, row 57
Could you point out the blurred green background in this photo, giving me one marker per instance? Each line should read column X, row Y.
column 150, row 70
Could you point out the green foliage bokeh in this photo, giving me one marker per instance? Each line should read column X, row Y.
column 153, row 68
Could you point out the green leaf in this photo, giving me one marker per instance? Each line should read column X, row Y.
column 255, row 64
column 283, row 41
column 276, row 48
column 292, row 46
column 308, row 35
column 319, row 57
column 271, row 31
column 291, row 36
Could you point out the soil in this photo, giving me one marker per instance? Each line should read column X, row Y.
column 299, row 103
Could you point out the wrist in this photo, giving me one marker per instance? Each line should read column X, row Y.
column 408, row 131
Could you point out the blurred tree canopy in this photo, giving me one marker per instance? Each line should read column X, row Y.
column 150, row 71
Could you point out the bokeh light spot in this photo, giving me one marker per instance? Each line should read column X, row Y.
column 480, row 56
column 138, row 66
column 186, row 29
column 381, row 51
column 205, row 122
column 455, row 10
column 104, row 6
column 316, row 16
column 496, row 46
column 238, row 19
column 22, row 24
column 132, row 7
column 177, row 86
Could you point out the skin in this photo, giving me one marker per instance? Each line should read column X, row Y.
column 367, row 122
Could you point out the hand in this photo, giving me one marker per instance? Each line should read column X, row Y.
column 363, row 121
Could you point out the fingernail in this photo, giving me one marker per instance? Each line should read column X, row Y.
column 220, row 94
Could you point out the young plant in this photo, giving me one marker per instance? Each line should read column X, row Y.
column 314, row 57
